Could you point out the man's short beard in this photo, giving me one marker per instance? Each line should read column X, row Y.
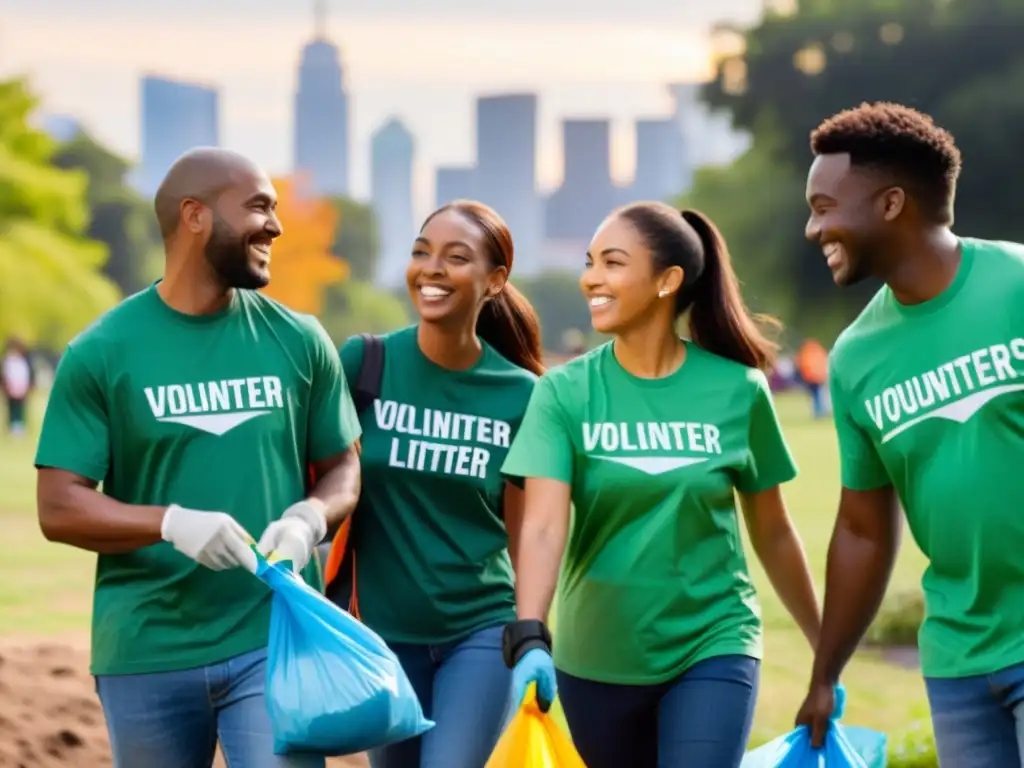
column 228, row 253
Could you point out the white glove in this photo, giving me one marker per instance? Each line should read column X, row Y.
column 213, row 539
column 295, row 535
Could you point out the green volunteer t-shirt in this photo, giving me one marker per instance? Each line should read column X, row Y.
column 218, row 412
column 930, row 399
column 431, row 549
column 654, row 577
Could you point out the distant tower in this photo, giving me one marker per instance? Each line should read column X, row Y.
column 321, row 136
column 176, row 117
column 320, row 20
column 391, row 178
column 506, row 177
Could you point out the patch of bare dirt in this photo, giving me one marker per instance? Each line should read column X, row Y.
column 49, row 714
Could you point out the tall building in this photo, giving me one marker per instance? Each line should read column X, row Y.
column 587, row 193
column 506, row 175
column 659, row 161
column 708, row 136
column 454, row 182
column 321, row 133
column 176, row 116
column 392, row 152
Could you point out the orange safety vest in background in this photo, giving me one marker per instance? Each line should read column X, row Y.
column 812, row 362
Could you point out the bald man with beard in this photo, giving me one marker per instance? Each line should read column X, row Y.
column 180, row 427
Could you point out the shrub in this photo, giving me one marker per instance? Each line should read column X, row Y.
column 916, row 749
column 898, row 620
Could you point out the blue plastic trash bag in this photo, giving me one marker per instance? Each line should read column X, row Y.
column 333, row 686
column 845, row 747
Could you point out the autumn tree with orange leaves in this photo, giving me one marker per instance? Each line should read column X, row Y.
column 302, row 265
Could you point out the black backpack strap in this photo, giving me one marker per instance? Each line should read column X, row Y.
column 366, row 390
column 371, row 372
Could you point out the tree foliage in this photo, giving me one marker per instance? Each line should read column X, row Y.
column 357, row 237
column 302, row 265
column 357, row 306
column 958, row 60
column 50, row 280
column 556, row 297
column 121, row 218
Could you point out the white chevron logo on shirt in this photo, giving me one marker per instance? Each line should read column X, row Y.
column 960, row 411
column 954, row 391
column 215, row 423
column 652, row 465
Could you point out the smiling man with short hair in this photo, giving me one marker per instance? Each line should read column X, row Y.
column 199, row 405
column 928, row 395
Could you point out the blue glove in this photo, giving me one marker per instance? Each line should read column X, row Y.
column 839, row 709
column 536, row 666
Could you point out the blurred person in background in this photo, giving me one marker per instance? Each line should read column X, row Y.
column 16, row 378
column 812, row 367
column 199, row 404
column 927, row 391
column 648, row 438
column 433, row 538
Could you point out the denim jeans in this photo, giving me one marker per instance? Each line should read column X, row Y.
column 701, row 718
column 465, row 689
column 174, row 719
column 979, row 721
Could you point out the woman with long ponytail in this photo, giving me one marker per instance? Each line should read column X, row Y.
column 650, row 438
column 433, row 535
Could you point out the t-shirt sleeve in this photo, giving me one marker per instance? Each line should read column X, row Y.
column 860, row 466
column 75, row 433
column 543, row 445
column 770, row 461
column 333, row 423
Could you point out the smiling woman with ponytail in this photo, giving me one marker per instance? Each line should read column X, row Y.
column 436, row 522
column 650, row 438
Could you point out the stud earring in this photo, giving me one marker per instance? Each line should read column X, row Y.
column 662, row 294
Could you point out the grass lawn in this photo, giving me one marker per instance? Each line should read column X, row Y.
column 45, row 588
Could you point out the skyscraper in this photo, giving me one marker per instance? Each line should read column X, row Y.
column 506, row 176
column 391, row 169
column 587, row 193
column 707, row 135
column 454, row 182
column 659, row 160
column 176, row 116
column 321, row 136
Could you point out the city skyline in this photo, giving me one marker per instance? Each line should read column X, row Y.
column 392, row 69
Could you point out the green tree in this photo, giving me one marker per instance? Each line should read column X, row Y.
column 959, row 60
column 560, row 305
column 121, row 218
column 360, row 307
column 50, row 280
column 357, row 238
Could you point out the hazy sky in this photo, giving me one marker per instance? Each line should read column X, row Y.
column 584, row 58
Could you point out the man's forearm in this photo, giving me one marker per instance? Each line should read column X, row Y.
column 857, row 574
column 85, row 518
column 337, row 490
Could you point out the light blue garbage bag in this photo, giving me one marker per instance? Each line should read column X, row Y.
column 845, row 747
column 333, row 686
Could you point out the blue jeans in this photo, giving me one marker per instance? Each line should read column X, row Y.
column 465, row 689
column 979, row 721
column 701, row 718
column 174, row 719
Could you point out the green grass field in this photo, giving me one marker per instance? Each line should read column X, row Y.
column 45, row 588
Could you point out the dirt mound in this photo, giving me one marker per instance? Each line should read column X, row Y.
column 49, row 714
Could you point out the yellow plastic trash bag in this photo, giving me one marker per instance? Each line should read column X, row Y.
column 534, row 740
